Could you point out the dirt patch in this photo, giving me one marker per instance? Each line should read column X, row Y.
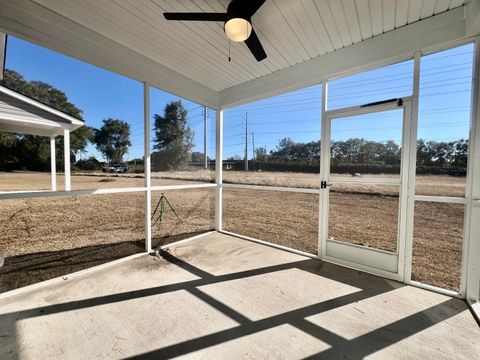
column 23, row 270
column 196, row 214
column 368, row 219
column 284, row 218
column 107, row 180
column 437, row 244
column 49, row 237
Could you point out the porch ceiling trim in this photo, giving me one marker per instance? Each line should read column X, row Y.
column 42, row 26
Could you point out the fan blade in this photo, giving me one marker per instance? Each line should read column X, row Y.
column 195, row 16
column 255, row 46
column 252, row 6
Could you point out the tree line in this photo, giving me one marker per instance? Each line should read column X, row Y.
column 366, row 155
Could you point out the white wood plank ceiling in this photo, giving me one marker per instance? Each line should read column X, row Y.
column 291, row 32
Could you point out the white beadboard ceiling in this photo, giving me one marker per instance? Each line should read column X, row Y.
column 291, row 32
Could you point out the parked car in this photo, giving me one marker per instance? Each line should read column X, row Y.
column 117, row 169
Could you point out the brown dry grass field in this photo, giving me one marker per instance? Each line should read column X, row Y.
column 54, row 236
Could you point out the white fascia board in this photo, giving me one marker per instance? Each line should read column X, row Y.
column 395, row 45
column 72, row 120
column 37, row 24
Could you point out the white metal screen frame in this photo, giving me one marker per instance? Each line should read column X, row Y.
column 147, row 188
column 376, row 261
column 470, row 265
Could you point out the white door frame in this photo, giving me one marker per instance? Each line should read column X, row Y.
column 380, row 262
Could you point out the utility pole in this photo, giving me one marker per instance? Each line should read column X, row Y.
column 253, row 151
column 205, row 129
column 246, row 141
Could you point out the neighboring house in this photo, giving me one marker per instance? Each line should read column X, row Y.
column 21, row 114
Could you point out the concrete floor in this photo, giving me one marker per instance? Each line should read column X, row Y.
column 219, row 297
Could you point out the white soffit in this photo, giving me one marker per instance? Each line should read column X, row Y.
column 131, row 37
column 19, row 113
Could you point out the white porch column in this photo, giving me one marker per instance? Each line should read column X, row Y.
column 147, row 163
column 66, row 154
column 53, row 163
column 205, row 136
column 218, row 169
column 323, row 198
column 473, row 194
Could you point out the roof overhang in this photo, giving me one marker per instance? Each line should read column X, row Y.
column 44, row 121
column 39, row 24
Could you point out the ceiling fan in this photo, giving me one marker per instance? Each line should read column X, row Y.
column 237, row 23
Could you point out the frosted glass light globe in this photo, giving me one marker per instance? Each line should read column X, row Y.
column 238, row 29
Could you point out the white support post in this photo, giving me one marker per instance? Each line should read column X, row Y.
column 205, row 136
column 472, row 233
column 66, row 156
column 147, row 168
column 53, row 163
column 412, row 168
column 219, row 169
column 323, row 196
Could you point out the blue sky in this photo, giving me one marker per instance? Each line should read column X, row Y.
column 99, row 93
column 444, row 101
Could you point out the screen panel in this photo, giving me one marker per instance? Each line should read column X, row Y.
column 444, row 122
column 365, row 215
column 180, row 214
column 438, row 244
column 44, row 238
column 284, row 218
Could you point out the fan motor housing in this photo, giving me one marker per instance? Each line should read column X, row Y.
column 236, row 10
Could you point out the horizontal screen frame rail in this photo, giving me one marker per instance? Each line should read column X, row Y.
column 48, row 193
column 272, row 188
column 441, row 199
column 366, row 180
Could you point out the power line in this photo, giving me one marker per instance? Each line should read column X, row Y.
column 430, row 111
column 298, row 102
column 335, row 88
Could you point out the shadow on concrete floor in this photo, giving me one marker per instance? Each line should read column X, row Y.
column 22, row 270
column 340, row 347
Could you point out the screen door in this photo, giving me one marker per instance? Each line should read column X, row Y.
column 364, row 186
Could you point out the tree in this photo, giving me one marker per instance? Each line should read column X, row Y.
column 390, row 153
column 8, row 154
column 90, row 164
column 289, row 150
column 261, row 153
column 198, row 157
column 113, row 139
column 460, row 153
column 173, row 139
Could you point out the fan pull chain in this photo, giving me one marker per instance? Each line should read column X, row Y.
column 229, row 58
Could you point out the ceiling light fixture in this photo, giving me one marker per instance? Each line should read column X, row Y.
column 238, row 29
